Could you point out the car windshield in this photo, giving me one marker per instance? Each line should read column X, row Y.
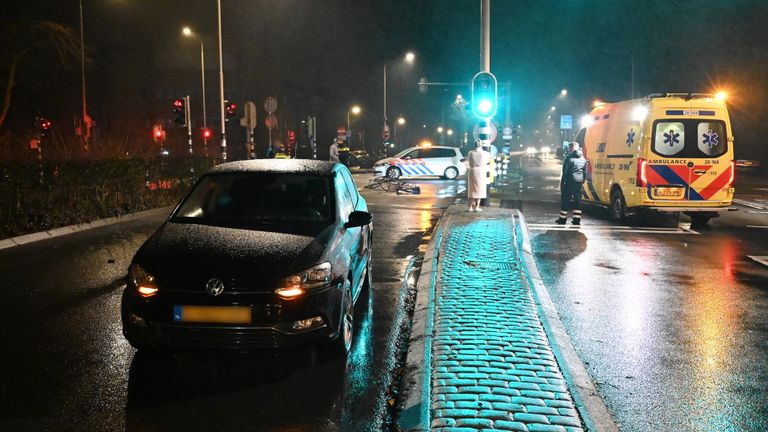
column 403, row 153
column 253, row 200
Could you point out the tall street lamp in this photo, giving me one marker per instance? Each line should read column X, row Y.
column 188, row 33
column 355, row 109
column 409, row 57
column 221, row 89
column 85, row 121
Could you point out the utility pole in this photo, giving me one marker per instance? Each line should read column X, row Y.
column 85, row 124
column 485, row 35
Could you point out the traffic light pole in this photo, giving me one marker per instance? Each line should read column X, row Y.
column 485, row 66
column 221, row 90
column 188, row 121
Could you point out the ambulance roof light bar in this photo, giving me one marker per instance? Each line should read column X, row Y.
column 686, row 96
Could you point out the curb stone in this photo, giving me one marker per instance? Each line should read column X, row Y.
column 414, row 416
column 590, row 404
column 58, row 232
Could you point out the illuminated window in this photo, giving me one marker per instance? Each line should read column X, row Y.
column 670, row 138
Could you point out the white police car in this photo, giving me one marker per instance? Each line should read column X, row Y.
column 446, row 162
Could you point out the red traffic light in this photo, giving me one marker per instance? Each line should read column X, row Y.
column 231, row 109
column 178, row 104
column 207, row 133
column 45, row 124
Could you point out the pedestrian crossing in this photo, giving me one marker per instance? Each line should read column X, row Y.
column 608, row 229
column 759, row 206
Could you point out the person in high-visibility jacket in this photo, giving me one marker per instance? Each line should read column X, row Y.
column 571, row 181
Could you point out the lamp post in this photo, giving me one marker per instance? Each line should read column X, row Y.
column 400, row 122
column 85, row 121
column 188, row 33
column 221, row 89
column 355, row 109
column 409, row 57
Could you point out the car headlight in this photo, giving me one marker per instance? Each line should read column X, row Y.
column 143, row 282
column 297, row 284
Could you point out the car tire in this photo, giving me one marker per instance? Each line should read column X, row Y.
column 451, row 173
column 343, row 343
column 394, row 173
column 617, row 210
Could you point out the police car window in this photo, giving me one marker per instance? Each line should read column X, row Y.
column 711, row 138
column 443, row 153
column 413, row 154
column 669, row 138
column 427, row 153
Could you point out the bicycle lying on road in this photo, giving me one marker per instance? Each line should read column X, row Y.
column 393, row 185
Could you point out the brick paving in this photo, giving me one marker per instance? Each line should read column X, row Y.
column 492, row 366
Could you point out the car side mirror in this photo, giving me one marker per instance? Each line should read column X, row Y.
column 358, row 219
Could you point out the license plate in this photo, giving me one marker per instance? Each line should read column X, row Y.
column 668, row 192
column 212, row 314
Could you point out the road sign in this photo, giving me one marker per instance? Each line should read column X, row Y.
column 506, row 133
column 566, row 121
column 271, row 121
column 270, row 104
column 492, row 131
column 341, row 131
column 248, row 120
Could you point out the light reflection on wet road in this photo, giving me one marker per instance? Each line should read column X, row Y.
column 70, row 368
column 673, row 328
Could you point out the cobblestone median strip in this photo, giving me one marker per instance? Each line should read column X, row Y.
column 492, row 365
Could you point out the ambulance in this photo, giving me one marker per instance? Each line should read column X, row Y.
column 670, row 152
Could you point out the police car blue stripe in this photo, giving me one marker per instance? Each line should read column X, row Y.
column 419, row 168
column 429, row 171
column 405, row 171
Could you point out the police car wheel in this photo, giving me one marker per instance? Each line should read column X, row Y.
column 618, row 209
column 451, row 173
column 394, row 173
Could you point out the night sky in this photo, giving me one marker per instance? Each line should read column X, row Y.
column 321, row 56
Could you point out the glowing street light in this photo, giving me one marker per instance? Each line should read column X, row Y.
column 552, row 108
column 564, row 92
column 187, row 32
column 409, row 58
column 439, row 129
column 401, row 121
column 449, row 132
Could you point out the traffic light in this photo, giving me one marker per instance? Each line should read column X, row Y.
column 158, row 134
column 207, row 134
column 230, row 108
column 484, row 95
column 43, row 124
column 180, row 112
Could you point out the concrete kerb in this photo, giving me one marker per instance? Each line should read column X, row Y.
column 588, row 401
column 58, row 232
column 416, row 388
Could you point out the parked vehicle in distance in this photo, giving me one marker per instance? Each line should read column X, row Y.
column 361, row 159
column 261, row 254
column 446, row 162
column 670, row 152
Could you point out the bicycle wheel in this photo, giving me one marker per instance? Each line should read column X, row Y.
column 392, row 185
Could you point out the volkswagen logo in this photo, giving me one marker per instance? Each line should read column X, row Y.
column 214, row 287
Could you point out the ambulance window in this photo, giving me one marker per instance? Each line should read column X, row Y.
column 711, row 138
column 669, row 138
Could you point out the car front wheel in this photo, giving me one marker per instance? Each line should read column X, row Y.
column 343, row 343
column 394, row 173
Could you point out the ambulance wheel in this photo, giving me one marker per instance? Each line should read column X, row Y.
column 618, row 209
column 700, row 219
column 451, row 173
column 394, row 173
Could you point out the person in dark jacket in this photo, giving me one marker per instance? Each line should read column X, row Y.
column 571, row 181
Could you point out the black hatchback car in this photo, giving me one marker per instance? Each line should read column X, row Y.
column 259, row 255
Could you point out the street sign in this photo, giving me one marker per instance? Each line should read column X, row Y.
column 341, row 131
column 270, row 104
column 271, row 121
column 506, row 133
column 566, row 121
column 492, row 131
column 248, row 120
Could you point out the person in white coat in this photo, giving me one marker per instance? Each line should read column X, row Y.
column 477, row 176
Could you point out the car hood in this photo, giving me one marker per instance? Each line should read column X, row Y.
column 184, row 256
column 385, row 160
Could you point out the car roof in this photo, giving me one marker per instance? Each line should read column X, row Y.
column 280, row 166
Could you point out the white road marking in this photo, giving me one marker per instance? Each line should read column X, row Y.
column 757, row 226
column 761, row 259
column 606, row 228
column 751, row 204
column 758, row 211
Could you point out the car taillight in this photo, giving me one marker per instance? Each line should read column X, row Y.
column 642, row 180
column 733, row 174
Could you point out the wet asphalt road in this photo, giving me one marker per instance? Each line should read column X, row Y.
column 671, row 323
column 66, row 365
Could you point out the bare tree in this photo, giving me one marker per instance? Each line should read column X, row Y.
column 21, row 40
